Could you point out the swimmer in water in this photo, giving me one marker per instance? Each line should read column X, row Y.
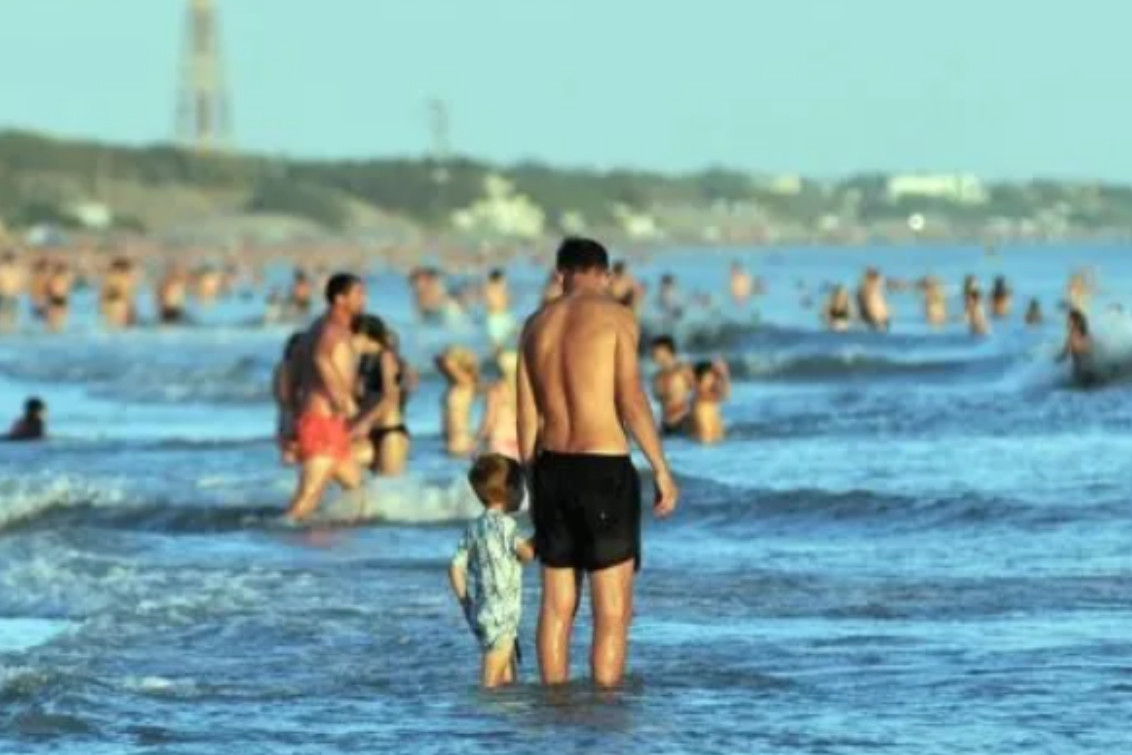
column 12, row 283
column 740, row 283
column 497, row 302
column 713, row 387
column 301, row 293
column 672, row 386
column 283, row 389
column 33, row 424
column 59, row 284
column 838, row 312
column 626, row 289
column 382, row 381
column 668, row 298
column 172, row 295
column 871, row 303
column 935, row 302
column 1079, row 348
column 1001, row 297
column 117, row 295
column 499, row 431
column 975, row 314
column 461, row 369
column 1034, row 313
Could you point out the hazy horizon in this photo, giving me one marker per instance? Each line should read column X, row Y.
column 816, row 87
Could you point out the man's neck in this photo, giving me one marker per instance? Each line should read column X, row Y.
column 340, row 317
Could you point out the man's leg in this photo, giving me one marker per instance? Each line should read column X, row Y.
column 612, row 592
column 313, row 478
column 348, row 474
column 556, row 623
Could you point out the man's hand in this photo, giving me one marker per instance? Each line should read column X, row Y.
column 667, row 494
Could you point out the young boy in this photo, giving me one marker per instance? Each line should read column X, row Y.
column 486, row 572
column 713, row 387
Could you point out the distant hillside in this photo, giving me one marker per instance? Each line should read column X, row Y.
column 162, row 187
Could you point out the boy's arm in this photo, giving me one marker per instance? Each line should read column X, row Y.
column 525, row 550
column 458, row 578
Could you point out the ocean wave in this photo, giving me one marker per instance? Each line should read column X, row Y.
column 848, row 363
column 724, row 507
column 67, row 503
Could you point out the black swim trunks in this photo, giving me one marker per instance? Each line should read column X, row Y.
column 586, row 510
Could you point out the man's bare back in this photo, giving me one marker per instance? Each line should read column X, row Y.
column 570, row 350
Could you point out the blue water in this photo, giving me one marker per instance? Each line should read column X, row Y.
column 913, row 543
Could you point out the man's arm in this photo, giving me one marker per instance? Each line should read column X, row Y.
column 634, row 410
column 528, row 408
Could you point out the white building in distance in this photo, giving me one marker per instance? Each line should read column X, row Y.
column 961, row 188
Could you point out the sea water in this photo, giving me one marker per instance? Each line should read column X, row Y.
column 917, row 542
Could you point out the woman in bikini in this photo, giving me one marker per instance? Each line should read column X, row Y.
column 383, row 394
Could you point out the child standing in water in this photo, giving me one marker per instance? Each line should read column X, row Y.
column 486, row 572
column 713, row 387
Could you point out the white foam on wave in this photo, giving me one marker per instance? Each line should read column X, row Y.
column 26, row 498
column 404, row 500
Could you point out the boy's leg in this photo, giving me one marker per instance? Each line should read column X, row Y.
column 497, row 664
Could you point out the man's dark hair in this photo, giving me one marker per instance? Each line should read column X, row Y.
column 34, row 406
column 578, row 255
column 340, row 284
column 664, row 342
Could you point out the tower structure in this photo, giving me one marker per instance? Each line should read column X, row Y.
column 203, row 115
column 438, row 125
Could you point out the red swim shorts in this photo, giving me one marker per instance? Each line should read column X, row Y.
column 320, row 435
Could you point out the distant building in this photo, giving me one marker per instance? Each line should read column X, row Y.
column 501, row 212
column 93, row 215
column 961, row 188
column 786, row 184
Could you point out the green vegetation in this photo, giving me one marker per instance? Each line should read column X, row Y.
column 42, row 178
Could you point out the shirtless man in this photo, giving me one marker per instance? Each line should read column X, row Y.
column 497, row 302
column 12, row 283
column 672, row 385
column 579, row 389
column 327, row 376
column 871, row 303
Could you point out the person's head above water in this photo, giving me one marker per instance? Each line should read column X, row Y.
column 497, row 480
column 346, row 293
column 582, row 263
column 705, row 374
column 34, row 408
column 663, row 350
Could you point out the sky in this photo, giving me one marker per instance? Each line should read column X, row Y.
column 1002, row 88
